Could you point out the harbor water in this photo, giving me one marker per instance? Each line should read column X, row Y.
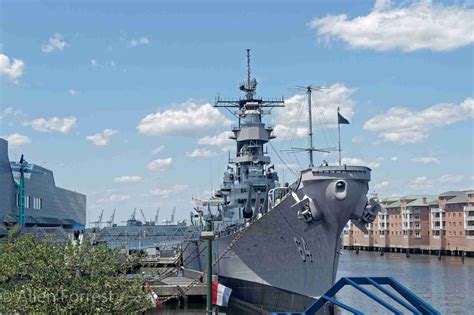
column 446, row 284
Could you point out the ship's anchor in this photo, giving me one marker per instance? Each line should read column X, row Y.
column 307, row 209
column 368, row 215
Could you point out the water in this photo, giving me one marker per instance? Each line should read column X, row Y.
column 446, row 284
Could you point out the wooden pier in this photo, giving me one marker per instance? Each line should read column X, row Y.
column 177, row 281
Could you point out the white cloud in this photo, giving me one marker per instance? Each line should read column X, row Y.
column 54, row 124
column 72, row 92
column 119, row 197
column 201, row 153
column 359, row 162
column 291, row 121
column 16, row 140
column 160, row 164
column 14, row 115
column 357, row 139
column 179, row 187
column 159, row 192
column 382, row 184
column 139, row 42
column 449, row 178
column 186, row 119
column 95, row 64
column 102, row 138
column 56, row 42
column 127, row 179
column 394, row 158
column 411, row 26
column 426, row 159
column 221, row 139
column 165, row 192
column 402, row 125
column 157, row 150
column 11, row 69
column 420, row 183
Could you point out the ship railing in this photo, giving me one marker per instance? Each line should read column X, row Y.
column 405, row 297
column 276, row 195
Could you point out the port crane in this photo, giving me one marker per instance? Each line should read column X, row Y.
column 110, row 223
column 157, row 215
column 99, row 220
column 143, row 216
column 167, row 222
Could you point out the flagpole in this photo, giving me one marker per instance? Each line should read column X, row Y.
column 339, row 135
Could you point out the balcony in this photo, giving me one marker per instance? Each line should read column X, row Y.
column 437, row 210
column 469, row 218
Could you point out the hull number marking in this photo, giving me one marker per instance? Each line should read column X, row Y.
column 303, row 249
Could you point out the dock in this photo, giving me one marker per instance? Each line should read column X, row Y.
column 175, row 283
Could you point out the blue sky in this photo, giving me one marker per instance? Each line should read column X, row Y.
column 80, row 78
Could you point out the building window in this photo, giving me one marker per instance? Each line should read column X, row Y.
column 27, row 201
column 417, row 234
column 37, row 203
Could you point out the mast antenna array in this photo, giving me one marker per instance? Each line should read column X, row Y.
column 310, row 149
column 250, row 88
column 248, row 67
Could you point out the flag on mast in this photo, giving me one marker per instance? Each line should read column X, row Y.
column 341, row 120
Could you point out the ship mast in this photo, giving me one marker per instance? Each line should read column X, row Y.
column 310, row 129
column 309, row 90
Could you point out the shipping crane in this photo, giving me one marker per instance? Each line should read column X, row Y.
column 167, row 222
column 99, row 220
column 143, row 216
column 110, row 223
column 157, row 215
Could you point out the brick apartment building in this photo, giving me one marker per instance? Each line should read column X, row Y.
column 419, row 223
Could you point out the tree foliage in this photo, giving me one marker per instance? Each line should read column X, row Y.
column 40, row 276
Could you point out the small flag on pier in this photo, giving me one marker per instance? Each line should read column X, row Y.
column 153, row 296
column 220, row 294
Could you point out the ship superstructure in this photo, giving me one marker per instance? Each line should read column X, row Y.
column 277, row 245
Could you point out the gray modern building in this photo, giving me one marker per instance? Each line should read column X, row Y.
column 46, row 205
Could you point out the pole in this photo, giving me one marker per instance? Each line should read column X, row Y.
column 21, row 197
column 209, row 270
column 310, row 134
column 339, row 135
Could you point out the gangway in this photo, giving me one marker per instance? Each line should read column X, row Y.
column 409, row 300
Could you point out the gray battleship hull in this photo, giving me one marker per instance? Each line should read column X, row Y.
column 282, row 261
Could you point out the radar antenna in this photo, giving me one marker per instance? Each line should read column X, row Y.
column 249, row 87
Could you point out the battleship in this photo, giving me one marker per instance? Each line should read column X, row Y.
column 277, row 246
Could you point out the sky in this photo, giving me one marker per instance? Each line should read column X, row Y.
column 117, row 97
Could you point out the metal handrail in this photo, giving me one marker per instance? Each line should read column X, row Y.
column 409, row 300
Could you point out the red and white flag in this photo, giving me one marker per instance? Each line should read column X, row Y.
column 220, row 294
column 153, row 296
